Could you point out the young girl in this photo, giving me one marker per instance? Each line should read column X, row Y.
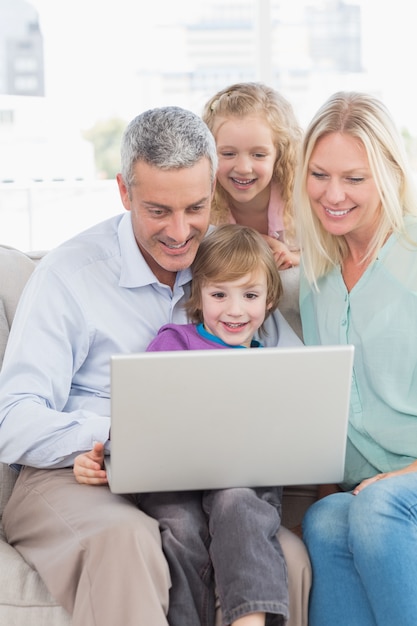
column 257, row 137
column 225, row 537
column 223, row 540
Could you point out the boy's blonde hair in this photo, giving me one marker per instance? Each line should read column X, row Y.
column 364, row 117
column 244, row 99
column 229, row 253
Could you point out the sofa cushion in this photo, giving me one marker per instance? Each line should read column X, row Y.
column 7, row 480
column 22, row 587
column 289, row 304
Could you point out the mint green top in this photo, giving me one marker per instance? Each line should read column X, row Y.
column 379, row 317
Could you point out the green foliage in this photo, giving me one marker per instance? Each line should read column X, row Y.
column 105, row 137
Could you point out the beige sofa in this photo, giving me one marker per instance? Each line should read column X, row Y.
column 24, row 599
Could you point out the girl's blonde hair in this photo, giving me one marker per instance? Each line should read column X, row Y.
column 229, row 253
column 244, row 99
column 366, row 118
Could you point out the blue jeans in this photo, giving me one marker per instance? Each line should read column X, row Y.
column 363, row 551
column 222, row 540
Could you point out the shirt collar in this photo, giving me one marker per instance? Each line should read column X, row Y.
column 135, row 272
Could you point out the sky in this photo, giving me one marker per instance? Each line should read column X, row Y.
column 92, row 48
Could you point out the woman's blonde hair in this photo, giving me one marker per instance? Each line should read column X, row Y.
column 229, row 253
column 366, row 118
column 244, row 99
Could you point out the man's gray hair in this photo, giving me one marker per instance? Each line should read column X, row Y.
column 168, row 138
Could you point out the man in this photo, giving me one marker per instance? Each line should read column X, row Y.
column 106, row 291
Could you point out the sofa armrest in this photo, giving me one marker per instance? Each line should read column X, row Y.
column 15, row 269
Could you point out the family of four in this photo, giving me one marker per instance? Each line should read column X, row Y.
column 341, row 198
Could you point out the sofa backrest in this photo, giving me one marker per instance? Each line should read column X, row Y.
column 15, row 269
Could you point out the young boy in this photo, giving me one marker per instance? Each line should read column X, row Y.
column 224, row 538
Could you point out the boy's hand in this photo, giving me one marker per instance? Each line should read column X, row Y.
column 88, row 467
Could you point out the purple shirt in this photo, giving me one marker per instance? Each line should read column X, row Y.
column 187, row 337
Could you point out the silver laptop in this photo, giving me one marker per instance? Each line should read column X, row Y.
column 226, row 418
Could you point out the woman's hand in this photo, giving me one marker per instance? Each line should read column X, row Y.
column 369, row 481
column 284, row 257
column 88, row 467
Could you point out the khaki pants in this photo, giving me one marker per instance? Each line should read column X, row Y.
column 101, row 557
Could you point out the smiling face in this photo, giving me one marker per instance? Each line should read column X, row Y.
column 170, row 214
column 247, row 157
column 341, row 188
column 235, row 310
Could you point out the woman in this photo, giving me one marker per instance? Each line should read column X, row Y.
column 358, row 230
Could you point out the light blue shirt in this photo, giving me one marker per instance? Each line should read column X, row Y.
column 379, row 317
column 92, row 297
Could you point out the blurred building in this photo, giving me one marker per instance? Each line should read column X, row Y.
column 30, row 148
column 298, row 48
column 306, row 50
column 21, row 50
column 334, row 36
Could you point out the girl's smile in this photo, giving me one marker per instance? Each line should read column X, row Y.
column 247, row 157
